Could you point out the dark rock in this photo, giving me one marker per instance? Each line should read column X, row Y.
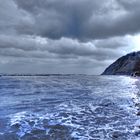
column 138, row 113
column 137, row 133
column 16, row 126
column 38, row 131
column 106, row 103
column 45, row 123
column 31, row 123
column 59, row 132
column 98, row 134
column 126, row 65
column 117, row 134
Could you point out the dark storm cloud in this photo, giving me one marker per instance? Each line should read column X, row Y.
column 65, row 36
column 55, row 19
column 81, row 19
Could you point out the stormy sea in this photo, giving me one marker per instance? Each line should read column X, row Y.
column 69, row 107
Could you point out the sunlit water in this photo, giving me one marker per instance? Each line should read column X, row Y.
column 69, row 107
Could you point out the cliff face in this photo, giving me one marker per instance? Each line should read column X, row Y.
column 126, row 65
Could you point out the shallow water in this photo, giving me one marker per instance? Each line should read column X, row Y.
column 69, row 107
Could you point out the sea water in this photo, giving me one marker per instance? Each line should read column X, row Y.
column 69, row 107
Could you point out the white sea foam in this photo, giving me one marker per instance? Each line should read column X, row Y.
column 72, row 107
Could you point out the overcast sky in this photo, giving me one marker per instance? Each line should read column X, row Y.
column 66, row 36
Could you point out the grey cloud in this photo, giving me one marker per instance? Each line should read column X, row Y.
column 28, row 46
column 132, row 5
column 82, row 19
column 70, row 47
column 77, row 66
column 112, row 43
column 11, row 17
column 65, row 36
column 56, row 19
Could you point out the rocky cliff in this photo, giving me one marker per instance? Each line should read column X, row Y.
column 126, row 65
